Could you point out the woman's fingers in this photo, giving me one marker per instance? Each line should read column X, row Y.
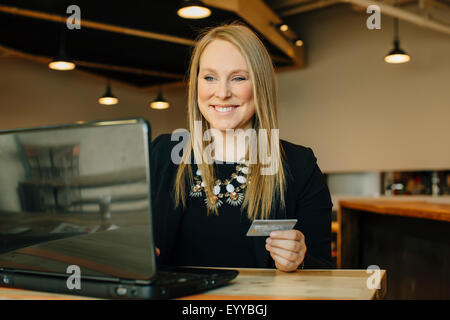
column 283, row 264
column 287, row 249
column 289, row 255
column 285, row 244
column 287, row 235
column 157, row 251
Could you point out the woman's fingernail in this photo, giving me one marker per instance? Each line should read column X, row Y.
column 269, row 240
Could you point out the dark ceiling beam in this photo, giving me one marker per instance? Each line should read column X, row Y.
column 94, row 65
column 108, row 27
column 310, row 6
column 283, row 4
column 97, row 25
column 262, row 18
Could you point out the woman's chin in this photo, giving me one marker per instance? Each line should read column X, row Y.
column 223, row 126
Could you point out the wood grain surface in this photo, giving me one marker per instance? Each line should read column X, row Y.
column 414, row 208
column 267, row 284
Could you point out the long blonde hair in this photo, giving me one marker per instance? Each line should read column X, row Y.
column 263, row 191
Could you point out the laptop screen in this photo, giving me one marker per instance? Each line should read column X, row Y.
column 77, row 195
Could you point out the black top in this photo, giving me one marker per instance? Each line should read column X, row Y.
column 215, row 240
column 191, row 237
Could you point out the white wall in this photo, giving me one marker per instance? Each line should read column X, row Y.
column 359, row 113
column 33, row 95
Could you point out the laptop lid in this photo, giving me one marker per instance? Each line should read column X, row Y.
column 77, row 195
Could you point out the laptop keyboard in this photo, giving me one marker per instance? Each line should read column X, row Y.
column 171, row 277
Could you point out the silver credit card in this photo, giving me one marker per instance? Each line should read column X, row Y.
column 263, row 228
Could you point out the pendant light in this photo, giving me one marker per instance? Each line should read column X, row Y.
column 396, row 55
column 61, row 62
column 159, row 103
column 193, row 9
column 108, row 99
column 280, row 26
column 298, row 42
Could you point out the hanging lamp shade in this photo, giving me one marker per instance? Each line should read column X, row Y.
column 61, row 62
column 159, row 103
column 396, row 55
column 193, row 9
column 108, row 98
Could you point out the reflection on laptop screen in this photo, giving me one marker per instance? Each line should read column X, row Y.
column 74, row 182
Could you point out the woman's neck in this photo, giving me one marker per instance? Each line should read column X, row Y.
column 230, row 145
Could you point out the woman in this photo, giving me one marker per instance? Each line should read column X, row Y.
column 203, row 206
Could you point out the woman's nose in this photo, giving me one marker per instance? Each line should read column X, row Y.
column 223, row 90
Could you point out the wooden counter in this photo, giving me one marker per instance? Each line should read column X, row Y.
column 266, row 284
column 407, row 208
column 410, row 239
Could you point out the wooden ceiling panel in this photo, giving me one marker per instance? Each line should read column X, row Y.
column 141, row 42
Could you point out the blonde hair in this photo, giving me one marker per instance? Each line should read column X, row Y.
column 263, row 191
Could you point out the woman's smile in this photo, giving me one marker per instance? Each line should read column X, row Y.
column 224, row 109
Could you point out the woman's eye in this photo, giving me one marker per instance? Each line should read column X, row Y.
column 240, row 79
column 208, row 78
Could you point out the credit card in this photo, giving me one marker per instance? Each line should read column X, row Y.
column 263, row 228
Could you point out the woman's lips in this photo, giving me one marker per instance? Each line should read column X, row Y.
column 224, row 108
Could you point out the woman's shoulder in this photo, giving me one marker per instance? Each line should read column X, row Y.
column 161, row 149
column 300, row 159
column 161, row 141
column 164, row 143
column 297, row 153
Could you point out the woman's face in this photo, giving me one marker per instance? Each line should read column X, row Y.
column 225, row 91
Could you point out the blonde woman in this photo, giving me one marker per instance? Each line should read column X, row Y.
column 233, row 169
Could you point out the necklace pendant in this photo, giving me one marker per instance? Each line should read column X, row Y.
column 232, row 196
column 235, row 199
column 230, row 188
column 196, row 191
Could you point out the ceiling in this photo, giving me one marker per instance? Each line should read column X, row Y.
column 145, row 44
column 139, row 42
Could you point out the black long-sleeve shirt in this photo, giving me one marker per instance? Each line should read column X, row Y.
column 191, row 237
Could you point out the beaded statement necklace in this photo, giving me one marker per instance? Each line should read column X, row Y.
column 226, row 190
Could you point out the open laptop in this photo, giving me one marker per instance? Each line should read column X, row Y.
column 75, row 214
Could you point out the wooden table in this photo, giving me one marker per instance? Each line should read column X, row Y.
column 268, row 284
column 408, row 238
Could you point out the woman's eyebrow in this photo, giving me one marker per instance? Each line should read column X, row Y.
column 214, row 71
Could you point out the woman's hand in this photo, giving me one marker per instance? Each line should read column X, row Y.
column 287, row 249
column 157, row 251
